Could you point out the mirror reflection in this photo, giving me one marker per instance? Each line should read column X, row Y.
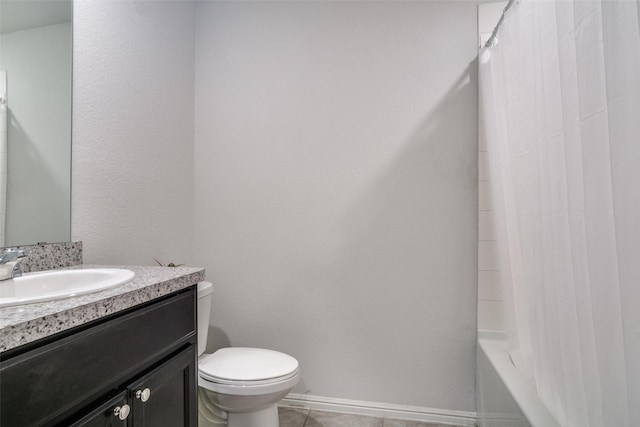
column 35, row 121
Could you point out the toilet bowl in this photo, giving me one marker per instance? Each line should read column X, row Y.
column 239, row 386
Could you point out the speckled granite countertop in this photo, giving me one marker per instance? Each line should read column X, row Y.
column 23, row 324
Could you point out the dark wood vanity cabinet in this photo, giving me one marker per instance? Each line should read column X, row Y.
column 134, row 369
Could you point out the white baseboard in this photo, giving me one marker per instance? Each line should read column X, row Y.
column 388, row 410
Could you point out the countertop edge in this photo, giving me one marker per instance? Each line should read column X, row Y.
column 28, row 331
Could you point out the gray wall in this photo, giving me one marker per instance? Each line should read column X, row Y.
column 336, row 191
column 133, row 131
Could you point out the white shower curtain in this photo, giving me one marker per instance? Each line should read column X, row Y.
column 560, row 95
column 4, row 114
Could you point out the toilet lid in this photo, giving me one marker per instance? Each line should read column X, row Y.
column 247, row 364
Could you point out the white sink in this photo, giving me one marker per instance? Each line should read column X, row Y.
column 53, row 285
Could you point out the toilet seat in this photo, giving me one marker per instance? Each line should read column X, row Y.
column 247, row 371
column 216, row 380
column 245, row 364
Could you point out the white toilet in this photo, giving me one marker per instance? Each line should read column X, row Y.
column 239, row 386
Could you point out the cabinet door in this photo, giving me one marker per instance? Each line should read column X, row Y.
column 166, row 397
column 113, row 413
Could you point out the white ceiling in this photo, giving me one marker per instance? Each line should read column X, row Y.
column 17, row 15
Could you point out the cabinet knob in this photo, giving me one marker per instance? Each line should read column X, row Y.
column 122, row 412
column 143, row 394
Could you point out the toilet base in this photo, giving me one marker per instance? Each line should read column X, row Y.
column 267, row 417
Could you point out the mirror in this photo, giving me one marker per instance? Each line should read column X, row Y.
column 35, row 121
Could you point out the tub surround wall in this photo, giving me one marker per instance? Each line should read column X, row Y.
column 504, row 397
column 27, row 323
column 336, row 191
column 490, row 299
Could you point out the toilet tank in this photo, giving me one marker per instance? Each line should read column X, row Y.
column 205, row 293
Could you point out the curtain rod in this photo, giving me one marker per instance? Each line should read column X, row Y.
column 494, row 34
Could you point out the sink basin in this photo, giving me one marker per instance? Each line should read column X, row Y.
column 53, row 285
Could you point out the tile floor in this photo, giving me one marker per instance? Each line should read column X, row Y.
column 294, row 417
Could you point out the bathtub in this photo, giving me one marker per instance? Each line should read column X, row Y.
column 505, row 397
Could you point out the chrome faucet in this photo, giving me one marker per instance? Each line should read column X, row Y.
column 10, row 262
